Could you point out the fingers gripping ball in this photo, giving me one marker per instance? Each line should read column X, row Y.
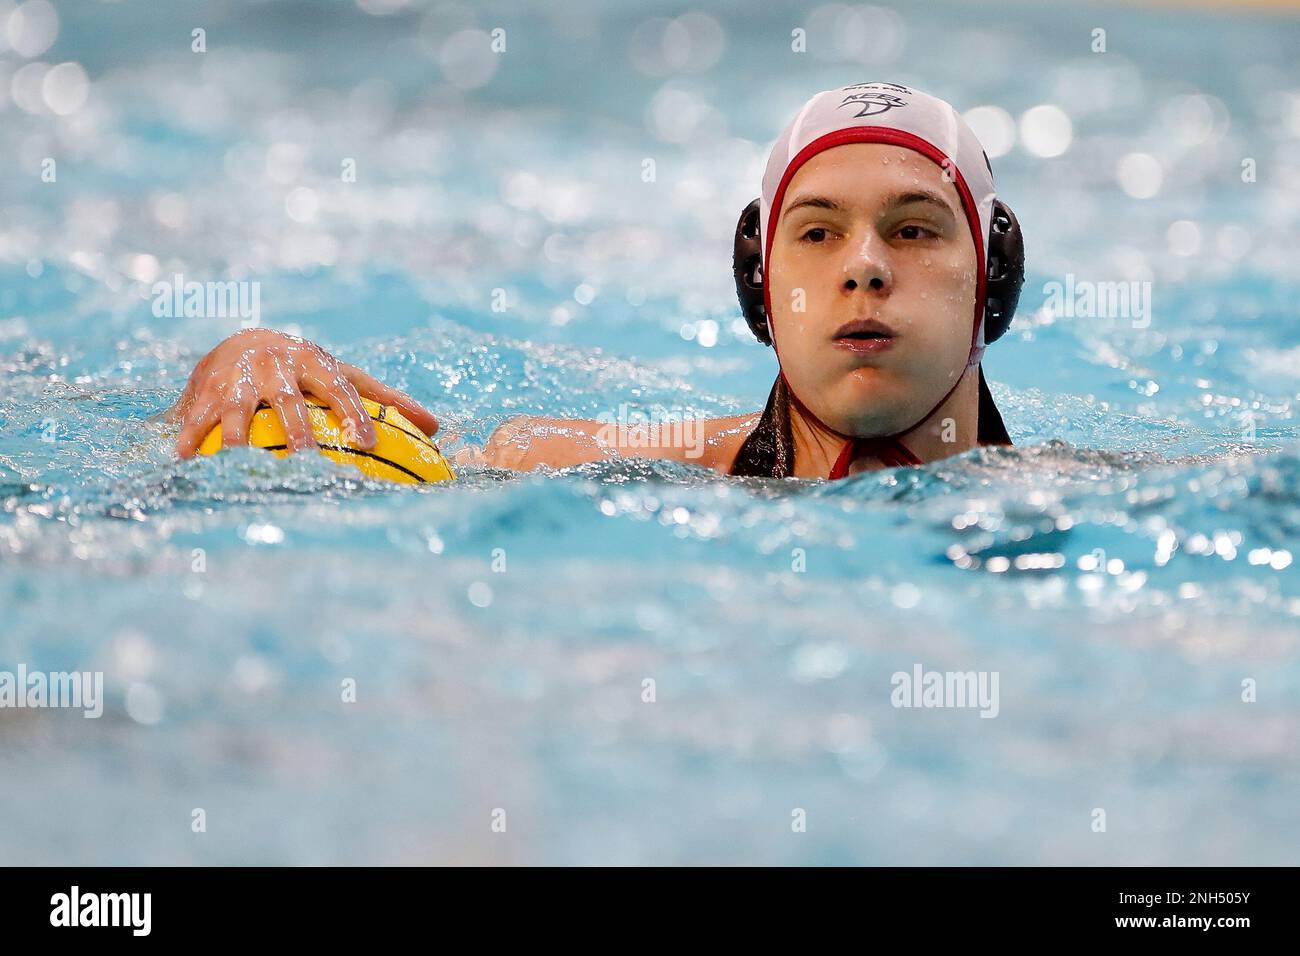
column 402, row 452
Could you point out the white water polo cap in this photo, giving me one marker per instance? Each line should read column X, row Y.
column 899, row 116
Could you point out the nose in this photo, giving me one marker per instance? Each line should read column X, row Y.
column 867, row 265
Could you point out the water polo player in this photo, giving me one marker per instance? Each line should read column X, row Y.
column 878, row 263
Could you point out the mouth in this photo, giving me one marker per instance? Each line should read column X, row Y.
column 865, row 335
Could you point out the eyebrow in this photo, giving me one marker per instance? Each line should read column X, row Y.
column 897, row 199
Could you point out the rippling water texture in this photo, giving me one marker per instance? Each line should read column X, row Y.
column 1124, row 569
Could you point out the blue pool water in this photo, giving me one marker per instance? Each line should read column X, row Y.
column 1124, row 569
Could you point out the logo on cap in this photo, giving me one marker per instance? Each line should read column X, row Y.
column 872, row 102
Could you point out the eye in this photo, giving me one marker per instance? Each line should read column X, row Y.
column 914, row 232
column 815, row 234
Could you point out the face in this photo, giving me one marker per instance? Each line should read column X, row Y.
column 872, row 278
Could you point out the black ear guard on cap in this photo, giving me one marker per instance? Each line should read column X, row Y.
column 747, row 267
column 1006, row 271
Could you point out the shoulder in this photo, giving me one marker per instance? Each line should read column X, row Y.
column 723, row 438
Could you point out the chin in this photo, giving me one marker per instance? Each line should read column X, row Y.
column 865, row 419
column 874, row 426
column 871, row 385
column 874, row 406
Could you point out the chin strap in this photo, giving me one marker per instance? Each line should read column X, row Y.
column 889, row 449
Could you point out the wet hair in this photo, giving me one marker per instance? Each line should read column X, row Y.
column 768, row 452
